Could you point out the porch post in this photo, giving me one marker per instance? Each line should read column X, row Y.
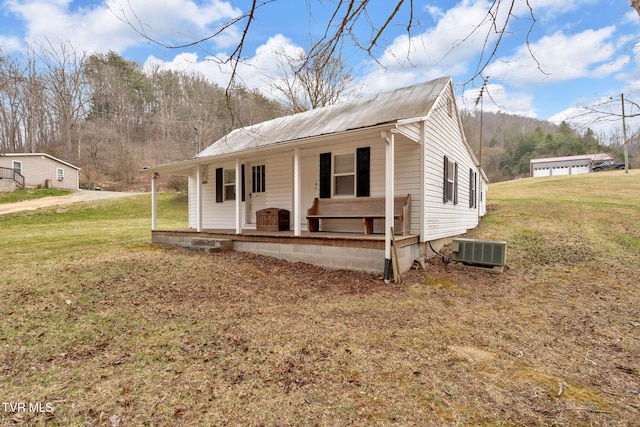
column 198, row 198
column 153, row 201
column 297, row 217
column 423, row 149
column 388, row 194
column 238, row 196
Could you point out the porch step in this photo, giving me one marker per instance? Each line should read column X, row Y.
column 210, row 245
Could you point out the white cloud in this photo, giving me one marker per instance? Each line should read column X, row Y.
column 498, row 98
column 610, row 68
column 604, row 114
column 448, row 48
column 110, row 25
column 10, row 44
column 558, row 57
column 551, row 9
column 256, row 72
column 452, row 43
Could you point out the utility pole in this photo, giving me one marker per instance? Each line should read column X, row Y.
column 480, row 99
column 197, row 141
column 624, row 138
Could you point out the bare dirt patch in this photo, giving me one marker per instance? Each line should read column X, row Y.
column 167, row 337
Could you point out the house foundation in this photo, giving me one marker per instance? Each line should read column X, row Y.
column 332, row 251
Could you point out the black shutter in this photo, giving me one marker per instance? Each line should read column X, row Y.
column 445, row 197
column 325, row 175
column 219, row 186
column 363, row 156
column 471, row 188
column 455, row 185
column 242, row 181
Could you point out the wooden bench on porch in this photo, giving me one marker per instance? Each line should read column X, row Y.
column 365, row 208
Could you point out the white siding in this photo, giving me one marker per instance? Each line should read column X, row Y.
column 38, row 169
column 214, row 215
column 483, row 198
column 444, row 138
column 377, row 179
column 279, row 181
column 407, row 177
column 279, row 192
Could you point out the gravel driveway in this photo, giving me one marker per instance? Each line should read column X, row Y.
column 75, row 197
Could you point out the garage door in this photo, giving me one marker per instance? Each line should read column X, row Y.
column 541, row 172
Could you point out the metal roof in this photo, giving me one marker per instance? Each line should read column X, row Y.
column 593, row 157
column 388, row 107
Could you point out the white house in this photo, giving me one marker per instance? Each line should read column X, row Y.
column 567, row 165
column 348, row 162
column 39, row 170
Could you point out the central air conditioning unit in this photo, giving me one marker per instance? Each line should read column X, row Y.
column 486, row 253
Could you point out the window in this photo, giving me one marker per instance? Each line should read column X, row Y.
column 473, row 183
column 59, row 174
column 450, row 181
column 225, row 184
column 17, row 166
column 258, row 179
column 344, row 175
column 229, row 184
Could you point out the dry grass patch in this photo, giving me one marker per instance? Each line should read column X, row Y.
column 124, row 332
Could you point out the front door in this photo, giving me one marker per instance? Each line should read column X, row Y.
column 257, row 190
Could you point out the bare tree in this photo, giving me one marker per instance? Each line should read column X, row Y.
column 350, row 21
column 66, row 93
column 11, row 124
column 308, row 82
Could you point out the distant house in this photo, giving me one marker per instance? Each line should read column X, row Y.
column 568, row 165
column 39, row 170
column 327, row 186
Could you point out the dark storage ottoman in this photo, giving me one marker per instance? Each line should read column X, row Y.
column 272, row 219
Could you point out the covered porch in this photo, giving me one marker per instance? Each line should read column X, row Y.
column 224, row 190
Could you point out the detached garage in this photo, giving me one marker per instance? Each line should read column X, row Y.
column 568, row 165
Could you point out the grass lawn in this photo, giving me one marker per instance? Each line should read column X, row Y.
column 101, row 328
column 30, row 194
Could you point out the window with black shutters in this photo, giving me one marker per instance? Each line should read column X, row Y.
column 345, row 174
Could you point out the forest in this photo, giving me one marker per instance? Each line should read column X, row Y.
column 111, row 117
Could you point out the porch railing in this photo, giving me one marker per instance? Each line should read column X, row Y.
column 8, row 173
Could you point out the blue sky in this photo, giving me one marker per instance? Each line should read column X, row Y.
column 580, row 53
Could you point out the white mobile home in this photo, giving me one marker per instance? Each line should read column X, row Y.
column 340, row 178
column 41, row 170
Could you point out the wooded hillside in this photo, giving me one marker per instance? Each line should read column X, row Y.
column 111, row 117
column 510, row 141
